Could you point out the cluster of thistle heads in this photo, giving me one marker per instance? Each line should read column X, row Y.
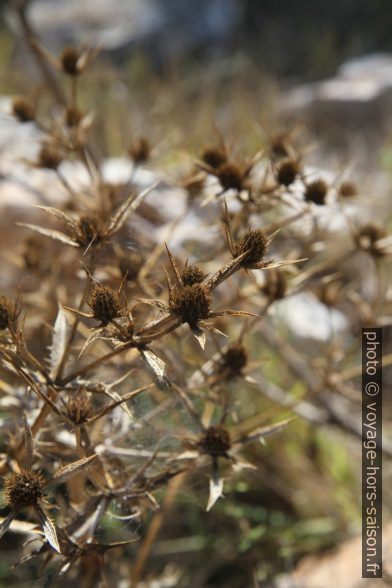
column 131, row 366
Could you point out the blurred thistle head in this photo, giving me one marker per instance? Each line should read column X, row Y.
column 275, row 285
column 139, row 150
column 233, row 360
column 316, row 192
column 191, row 303
column 348, row 189
column 215, row 441
column 130, row 263
column 214, row 156
column 49, row 157
column 23, row 489
column 104, row 303
column 23, row 109
column 9, row 313
column 231, row 176
column 70, row 61
column 255, row 242
column 79, row 408
column 368, row 238
column 192, row 274
column 287, row 172
column 72, row 116
column 88, row 230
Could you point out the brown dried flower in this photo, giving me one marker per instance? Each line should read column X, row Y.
column 139, row 150
column 287, row 172
column 104, row 303
column 215, row 441
column 69, row 60
column 316, row 192
column 23, row 109
column 23, row 489
column 191, row 303
column 367, row 239
column 255, row 242
column 192, row 274
column 49, row 157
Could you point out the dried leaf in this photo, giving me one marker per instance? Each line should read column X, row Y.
column 224, row 272
column 59, row 340
column 216, row 487
column 49, row 528
column 6, row 523
column 110, row 407
column 200, row 336
column 28, row 444
column 72, row 469
column 157, row 364
column 59, row 215
column 57, row 235
column 265, row 431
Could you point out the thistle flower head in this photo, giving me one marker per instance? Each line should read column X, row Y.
column 367, row 239
column 89, row 227
column 192, row 274
column 139, row 150
column 69, row 61
column 49, row 157
column 191, row 303
column 287, row 172
column 23, row 109
column 79, row 409
column 215, row 441
column 316, row 192
column 255, row 241
column 275, row 286
column 23, row 489
column 104, row 303
column 348, row 189
column 234, row 359
column 230, row 176
column 214, row 156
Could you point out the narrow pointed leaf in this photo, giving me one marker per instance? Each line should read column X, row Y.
column 224, row 272
column 72, row 469
column 48, row 528
column 59, row 340
column 216, row 487
column 130, row 204
column 6, row 523
column 57, row 235
column 158, row 365
column 199, row 335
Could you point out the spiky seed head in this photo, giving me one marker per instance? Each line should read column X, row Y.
column 73, row 116
column 130, row 264
column 316, row 192
column 69, row 61
column 230, row 176
column 234, row 359
column 214, row 156
column 79, row 408
column 23, row 109
column 89, row 230
column 287, row 172
column 139, row 150
column 191, row 303
column 192, row 274
column 23, row 489
column 367, row 239
column 348, row 189
column 104, row 303
column 5, row 313
column 49, row 157
column 255, row 241
column 275, row 286
column 215, row 441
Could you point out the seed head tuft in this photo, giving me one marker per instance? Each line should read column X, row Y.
column 230, row 176
column 192, row 274
column 191, row 303
column 89, row 227
column 49, row 157
column 255, row 241
column 348, row 189
column 233, row 360
column 23, row 109
column 23, row 489
column 316, row 192
column 367, row 239
column 215, row 441
column 69, row 61
column 275, row 286
column 104, row 303
column 139, row 150
column 214, row 156
column 79, row 409
column 287, row 172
